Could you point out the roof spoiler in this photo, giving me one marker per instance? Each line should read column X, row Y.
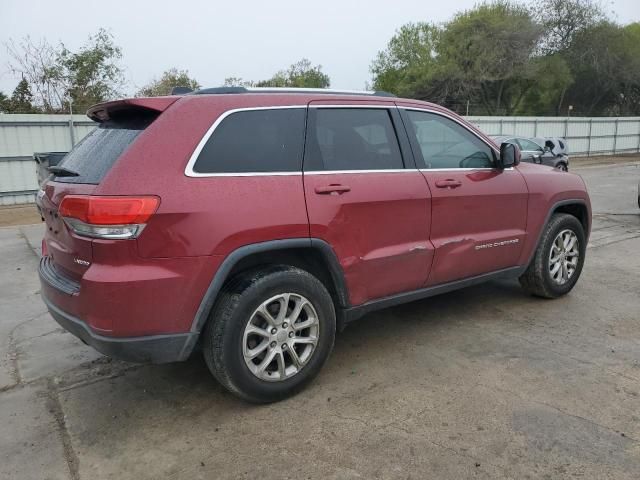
column 103, row 111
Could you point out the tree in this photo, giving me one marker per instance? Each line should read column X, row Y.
column 482, row 54
column 485, row 52
column 562, row 20
column 299, row 75
column 170, row 78
column 507, row 58
column 36, row 63
column 546, row 96
column 58, row 75
column 92, row 74
column 4, row 103
column 629, row 98
column 606, row 69
column 237, row 82
column 407, row 64
column 22, row 98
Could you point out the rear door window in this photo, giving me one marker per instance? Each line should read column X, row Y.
column 351, row 139
column 269, row 140
column 96, row 153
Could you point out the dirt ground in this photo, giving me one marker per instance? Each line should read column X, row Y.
column 13, row 215
column 603, row 160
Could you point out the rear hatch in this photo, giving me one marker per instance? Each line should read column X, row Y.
column 82, row 170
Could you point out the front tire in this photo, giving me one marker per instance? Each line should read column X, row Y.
column 269, row 333
column 558, row 260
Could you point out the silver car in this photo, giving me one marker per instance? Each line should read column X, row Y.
column 546, row 151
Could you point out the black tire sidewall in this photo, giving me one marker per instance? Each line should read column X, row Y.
column 563, row 222
column 239, row 375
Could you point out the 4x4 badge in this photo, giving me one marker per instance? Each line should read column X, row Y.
column 79, row 261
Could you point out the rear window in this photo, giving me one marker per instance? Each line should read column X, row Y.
column 96, row 153
column 255, row 141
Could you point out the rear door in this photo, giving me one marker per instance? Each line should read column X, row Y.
column 366, row 199
column 479, row 212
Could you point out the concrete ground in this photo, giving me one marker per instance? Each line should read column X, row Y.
column 481, row 383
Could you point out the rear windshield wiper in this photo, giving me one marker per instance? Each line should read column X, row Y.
column 59, row 171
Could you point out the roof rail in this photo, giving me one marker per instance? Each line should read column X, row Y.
column 226, row 90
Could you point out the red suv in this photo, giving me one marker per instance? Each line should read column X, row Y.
column 254, row 223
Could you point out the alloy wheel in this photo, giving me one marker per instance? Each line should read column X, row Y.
column 564, row 256
column 280, row 337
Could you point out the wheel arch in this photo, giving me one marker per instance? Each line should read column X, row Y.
column 310, row 254
column 576, row 207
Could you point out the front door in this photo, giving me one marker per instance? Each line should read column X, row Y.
column 479, row 212
column 364, row 202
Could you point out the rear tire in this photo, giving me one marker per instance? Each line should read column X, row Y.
column 558, row 259
column 262, row 313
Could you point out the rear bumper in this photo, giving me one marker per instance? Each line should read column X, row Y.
column 139, row 310
column 149, row 349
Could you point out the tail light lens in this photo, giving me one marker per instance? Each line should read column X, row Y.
column 107, row 217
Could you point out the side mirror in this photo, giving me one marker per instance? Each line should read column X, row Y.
column 509, row 155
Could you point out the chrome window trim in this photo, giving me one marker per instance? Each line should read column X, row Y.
column 246, row 174
column 488, row 169
column 189, row 172
column 388, row 106
column 402, row 170
column 334, row 172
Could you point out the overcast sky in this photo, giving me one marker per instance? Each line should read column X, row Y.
column 249, row 39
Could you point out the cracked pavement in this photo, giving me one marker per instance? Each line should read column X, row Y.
column 480, row 383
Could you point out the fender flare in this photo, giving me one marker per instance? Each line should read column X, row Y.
column 222, row 274
column 550, row 212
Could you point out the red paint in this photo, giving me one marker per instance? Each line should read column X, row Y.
column 486, row 206
column 379, row 229
column 60, row 243
column 392, row 231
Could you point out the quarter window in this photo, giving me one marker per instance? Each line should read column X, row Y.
column 255, row 141
column 444, row 143
column 352, row 139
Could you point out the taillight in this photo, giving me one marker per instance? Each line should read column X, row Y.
column 107, row 217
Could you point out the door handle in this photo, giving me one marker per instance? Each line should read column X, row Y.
column 331, row 189
column 448, row 183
